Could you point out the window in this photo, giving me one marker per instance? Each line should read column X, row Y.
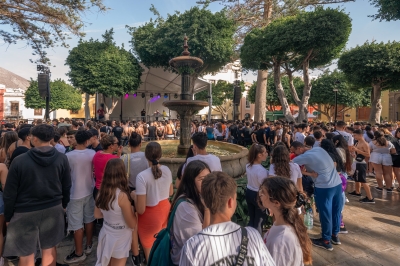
column 247, row 103
column 37, row 111
column 74, row 112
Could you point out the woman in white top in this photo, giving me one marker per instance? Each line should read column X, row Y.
column 218, row 132
column 192, row 215
column 282, row 166
column 113, row 204
column 153, row 188
column 287, row 241
column 256, row 173
column 381, row 160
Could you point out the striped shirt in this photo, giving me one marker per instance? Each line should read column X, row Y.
column 218, row 245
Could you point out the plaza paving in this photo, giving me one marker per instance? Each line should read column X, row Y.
column 373, row 238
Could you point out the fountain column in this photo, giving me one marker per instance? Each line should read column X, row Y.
column 186, row 107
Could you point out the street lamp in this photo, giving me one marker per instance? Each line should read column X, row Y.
column 335, row 90
column 236, row 68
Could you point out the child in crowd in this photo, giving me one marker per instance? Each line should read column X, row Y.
column 114, row 205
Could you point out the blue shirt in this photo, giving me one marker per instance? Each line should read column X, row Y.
column 319, row 161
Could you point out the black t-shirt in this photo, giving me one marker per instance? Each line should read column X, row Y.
column 152, row 131
column 247, row 133
column 105, row 129
column 272, row 136
column 118, row 132
column 234, row 131
column 143, row 113
column 98, row 148
column 18, row 151
column 260, row 135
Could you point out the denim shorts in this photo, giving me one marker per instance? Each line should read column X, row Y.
column 79, row 212
column 1, row 203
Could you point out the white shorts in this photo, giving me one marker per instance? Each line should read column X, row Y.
column 79, row 212
column 380, row 158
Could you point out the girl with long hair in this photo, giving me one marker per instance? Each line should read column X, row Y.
column 114, row 205
column 6, row 141
column 256, row 173
column 381, row 160
column 192, row 215
column 110, row 146
column 286, row 137
column 330, row 148
column 153, row 188
column 281, row 166
column 218, row 132
column 287, row 240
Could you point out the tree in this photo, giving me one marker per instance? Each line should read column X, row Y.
column 103, row 67
column 210, row 38
column 253, row 14
column 375, row 65
column 323, row 98
column 62, row 96
column 388, row 9
column 42, row 24
column 296, row 42
column 272, row 99
column 222, row 95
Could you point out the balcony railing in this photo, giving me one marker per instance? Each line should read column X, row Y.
column 12, row 113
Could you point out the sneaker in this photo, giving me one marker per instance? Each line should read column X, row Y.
column 88, row 249
column 343, row 230
column 321, row 243
column 135, row 260
column 354, row 193
column 371, row 174
column 379, row 188
column 73, row 258
column 389, row 190
column 366, row 200
column 335, row 240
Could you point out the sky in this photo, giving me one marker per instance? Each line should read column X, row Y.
column 15, row 58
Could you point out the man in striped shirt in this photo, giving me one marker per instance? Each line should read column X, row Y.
column 219, row 243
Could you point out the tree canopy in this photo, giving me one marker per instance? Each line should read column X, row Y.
column 323, row 98
column 375, row 65
column 306, row 40
column 43, row 24
column 222, row 94
column 388, row 10
column 62, row 96
column 103, row 67
column 210, row 38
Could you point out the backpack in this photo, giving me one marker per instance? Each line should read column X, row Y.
column 160, row 254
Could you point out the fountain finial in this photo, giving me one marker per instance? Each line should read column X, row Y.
column 185, row 47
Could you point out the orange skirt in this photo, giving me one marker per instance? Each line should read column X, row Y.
column 152, row 221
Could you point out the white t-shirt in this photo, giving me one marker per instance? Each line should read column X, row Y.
column 81, row 164
column 219, row 244
column 137, row 164
column 155, row 190
column 284, row 246
column 347, row 136
column 299, row 136
column 210, row 159
column 255, row 176
column 217, row 133
column 295, row 172
column 188, row 221
column 60, row 148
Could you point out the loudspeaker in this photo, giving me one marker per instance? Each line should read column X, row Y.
column 237, row 95
column 43, row 84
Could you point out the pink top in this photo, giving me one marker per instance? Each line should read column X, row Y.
column 100, row 160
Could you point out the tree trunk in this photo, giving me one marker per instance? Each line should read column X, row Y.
column 281, row 92
column 109, row 105
column 303, row 107
column 261, row 96
column 294, row 93
column 376, row 104
column 87, row 109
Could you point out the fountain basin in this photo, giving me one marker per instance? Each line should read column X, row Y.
column 188, row 107
column 233, row 164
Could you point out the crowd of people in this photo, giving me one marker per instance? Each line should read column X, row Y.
column 80, row 171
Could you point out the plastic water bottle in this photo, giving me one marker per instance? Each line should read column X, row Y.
column 308, row 219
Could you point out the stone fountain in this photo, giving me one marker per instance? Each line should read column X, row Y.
column 186, row 107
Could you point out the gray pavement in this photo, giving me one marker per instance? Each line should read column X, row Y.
column 373, row 238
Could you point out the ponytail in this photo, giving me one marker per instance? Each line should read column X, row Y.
column 153, row 153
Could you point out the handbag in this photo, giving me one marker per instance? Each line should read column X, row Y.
column 360, row 158
column 243, row 248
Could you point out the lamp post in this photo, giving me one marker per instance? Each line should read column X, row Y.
column 236, row 68
column 335, row 90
